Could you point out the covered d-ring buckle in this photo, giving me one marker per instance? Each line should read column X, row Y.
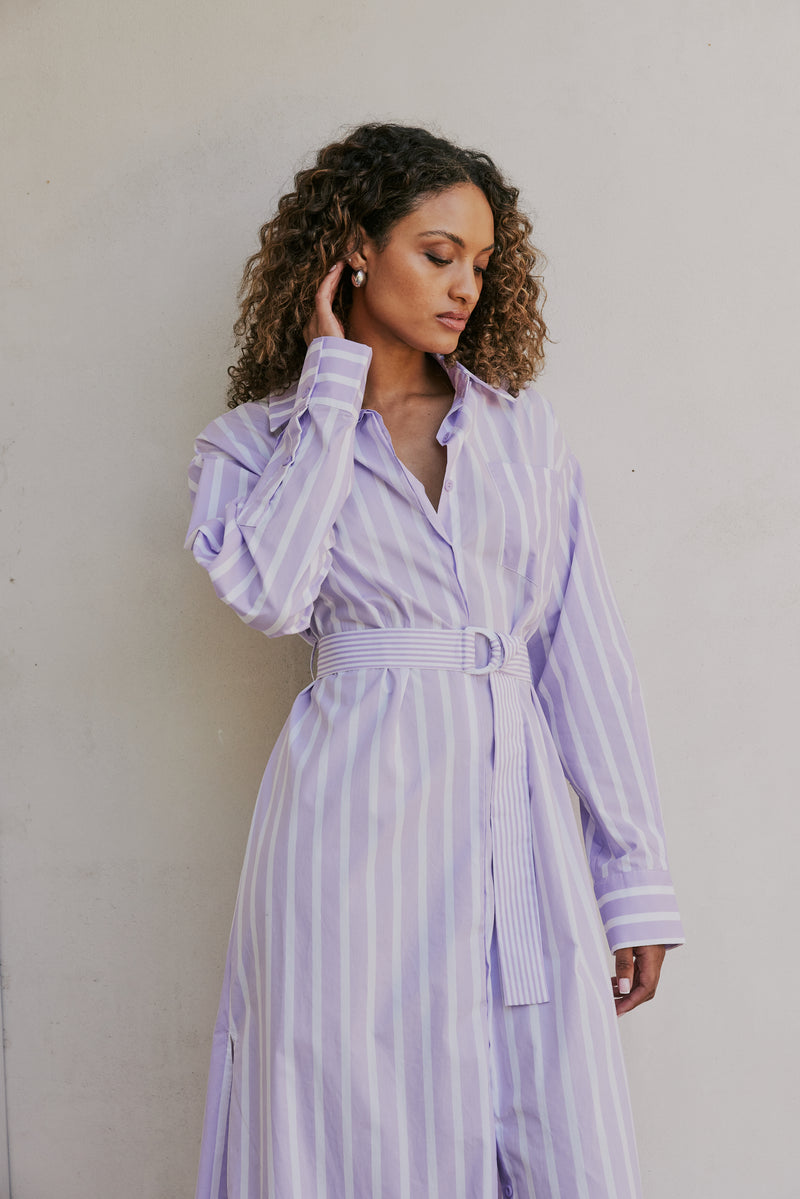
column 497, row 650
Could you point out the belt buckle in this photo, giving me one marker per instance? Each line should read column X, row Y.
column 497, row 650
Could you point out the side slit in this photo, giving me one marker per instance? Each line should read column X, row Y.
column 213, row 1177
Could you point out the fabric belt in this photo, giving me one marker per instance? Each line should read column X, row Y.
column 503, row 659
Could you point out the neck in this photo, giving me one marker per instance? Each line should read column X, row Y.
column 398, row 373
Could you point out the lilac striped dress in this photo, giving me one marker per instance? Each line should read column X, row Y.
column 416, row 999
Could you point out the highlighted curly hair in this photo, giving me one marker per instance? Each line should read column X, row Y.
column 368, row 181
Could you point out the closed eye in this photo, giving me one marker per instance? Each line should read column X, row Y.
column 479, row 270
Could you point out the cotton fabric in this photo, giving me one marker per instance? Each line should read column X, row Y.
column 364, row 1045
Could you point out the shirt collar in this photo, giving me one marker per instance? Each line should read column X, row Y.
column 466, row 386
column 282, row 407
column 460, row 378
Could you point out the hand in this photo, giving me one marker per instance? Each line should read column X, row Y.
column 640, row 967
column 323, row 323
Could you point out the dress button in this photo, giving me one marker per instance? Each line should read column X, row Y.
column 508, row 1190
column 448, row 485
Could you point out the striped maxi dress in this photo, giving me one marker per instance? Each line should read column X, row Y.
column 416, row 998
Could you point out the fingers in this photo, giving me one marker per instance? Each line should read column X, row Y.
column 323, row 322
column 329, row 285
column 623, row 977
column 638, row 972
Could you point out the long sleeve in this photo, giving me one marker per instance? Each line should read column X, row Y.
column 265, row 503
column 587, row 684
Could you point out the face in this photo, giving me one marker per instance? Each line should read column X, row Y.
column 422, row 286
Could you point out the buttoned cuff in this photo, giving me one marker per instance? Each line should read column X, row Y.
column 334, row 374
column 639, row 908
column 325, row 403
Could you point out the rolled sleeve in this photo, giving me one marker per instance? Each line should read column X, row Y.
column 328, row 400
column 268, row 483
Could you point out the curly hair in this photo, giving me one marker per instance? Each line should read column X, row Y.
column 368, row 181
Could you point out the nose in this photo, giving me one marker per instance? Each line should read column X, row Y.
column 466, row 285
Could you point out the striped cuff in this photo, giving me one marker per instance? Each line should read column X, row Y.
column 334, row 376
column 639, row 909
column 334, row 373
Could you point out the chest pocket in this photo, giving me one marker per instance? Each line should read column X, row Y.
column 531, row 504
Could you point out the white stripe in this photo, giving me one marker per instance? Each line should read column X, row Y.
column 574, row 1129
column 448, row 798
column 330, row 351
column 375, row 776
column 282, row 798
column 628, row 892
column 399, row 1054
column 476, row 738
column 318, row 999
column 295, row 964
column 341, row 405
column 640, row 918
column 332, row 377
column 623, row 724
column 612, row 831
column 344, row 929
column 425, row 973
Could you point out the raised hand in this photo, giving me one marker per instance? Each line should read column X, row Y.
column 323, row 323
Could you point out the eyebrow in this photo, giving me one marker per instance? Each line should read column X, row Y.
column 459, row 241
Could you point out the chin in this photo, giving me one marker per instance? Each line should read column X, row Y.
column 436, row 341
column 446, row 342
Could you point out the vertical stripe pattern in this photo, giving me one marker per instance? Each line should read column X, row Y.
column 516, row 911
column 416, row 997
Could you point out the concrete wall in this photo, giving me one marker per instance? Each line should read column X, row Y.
column 656, row 145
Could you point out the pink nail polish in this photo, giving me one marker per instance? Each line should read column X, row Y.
column 624, row 986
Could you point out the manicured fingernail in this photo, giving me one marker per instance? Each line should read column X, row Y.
column 624, row 986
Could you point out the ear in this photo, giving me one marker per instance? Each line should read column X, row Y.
column 356, row 257
column 356, row 260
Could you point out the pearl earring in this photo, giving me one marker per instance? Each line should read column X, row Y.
column 359, row 278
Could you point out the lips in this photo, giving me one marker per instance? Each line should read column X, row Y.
column 453, row 320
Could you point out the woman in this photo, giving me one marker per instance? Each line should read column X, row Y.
column 416, row 1000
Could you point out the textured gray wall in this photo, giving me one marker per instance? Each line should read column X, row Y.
column 656, row 145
